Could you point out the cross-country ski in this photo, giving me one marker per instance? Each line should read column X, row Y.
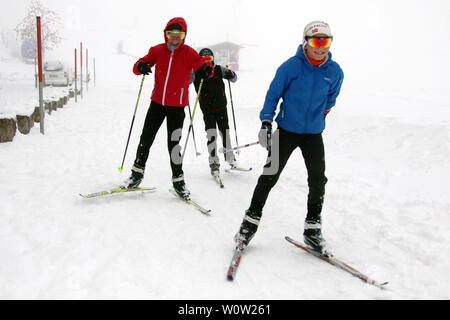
column 140, row 140
column 218, row 179
column 235, row 262
column 116, row 191
column 190, row 202
column 339, row 264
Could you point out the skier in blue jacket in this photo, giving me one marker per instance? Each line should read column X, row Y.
column 308, row 85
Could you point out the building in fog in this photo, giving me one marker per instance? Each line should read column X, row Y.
column 226, row 54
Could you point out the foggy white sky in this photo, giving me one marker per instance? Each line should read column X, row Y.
column 386, row 42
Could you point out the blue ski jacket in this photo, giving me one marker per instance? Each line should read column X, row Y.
column 306, row 91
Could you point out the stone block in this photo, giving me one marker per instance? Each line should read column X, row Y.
column 8, row 129
column 24, row 123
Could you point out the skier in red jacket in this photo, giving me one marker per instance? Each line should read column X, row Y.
column 174, row 62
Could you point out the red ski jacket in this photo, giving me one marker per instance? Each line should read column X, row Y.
column 173, row 70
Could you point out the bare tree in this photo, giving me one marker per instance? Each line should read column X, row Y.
column 51, row 25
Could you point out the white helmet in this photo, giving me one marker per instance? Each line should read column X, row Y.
column 316, row 27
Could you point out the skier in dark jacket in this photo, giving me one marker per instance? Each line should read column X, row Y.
column 174, row 62
column 308, row 85
column 213, row 103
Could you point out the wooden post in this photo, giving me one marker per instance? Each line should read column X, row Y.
column 41, row 84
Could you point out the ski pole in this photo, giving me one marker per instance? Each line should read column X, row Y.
column 238, row 148
column 132, row 123
column 234, row 118
column 193, row 132
column 192, row 118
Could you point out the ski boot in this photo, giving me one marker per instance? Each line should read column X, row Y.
column 313, row 238
column 180, row 187
column 135, row 179
column 247, row 230
column 233, row 164
column 214, row 169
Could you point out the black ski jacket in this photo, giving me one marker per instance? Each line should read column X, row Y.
column 213, row 97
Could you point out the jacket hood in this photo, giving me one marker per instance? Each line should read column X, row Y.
column 181, row 22
column 301, row 54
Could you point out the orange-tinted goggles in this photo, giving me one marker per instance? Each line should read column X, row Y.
column 319, row 42
column 208, row 58
column 175, row 34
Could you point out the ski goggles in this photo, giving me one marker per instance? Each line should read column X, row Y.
column 208, row 58
column 175, row 34
column 319, row 42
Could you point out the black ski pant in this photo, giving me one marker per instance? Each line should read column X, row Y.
column 153, row 121
column 283, row 144
column 214, row 120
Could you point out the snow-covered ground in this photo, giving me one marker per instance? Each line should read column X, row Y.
column 386, row 210
column 387, row 205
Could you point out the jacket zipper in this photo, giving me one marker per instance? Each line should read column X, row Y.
column 181, row 96
column 167, row 79
column 310, row 102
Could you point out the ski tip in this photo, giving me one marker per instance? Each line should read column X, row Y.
column 382, row 286
column 120, row 169
column 230, row 274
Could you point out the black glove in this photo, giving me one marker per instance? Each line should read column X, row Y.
column 265, row 134
column 205, row 71
column 144, row 68
column 228, row 75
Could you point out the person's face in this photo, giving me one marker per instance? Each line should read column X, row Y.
column 317, row 53
column 175, row 37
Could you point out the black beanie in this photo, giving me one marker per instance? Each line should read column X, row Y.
column 206, row 52
column 174, row 26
